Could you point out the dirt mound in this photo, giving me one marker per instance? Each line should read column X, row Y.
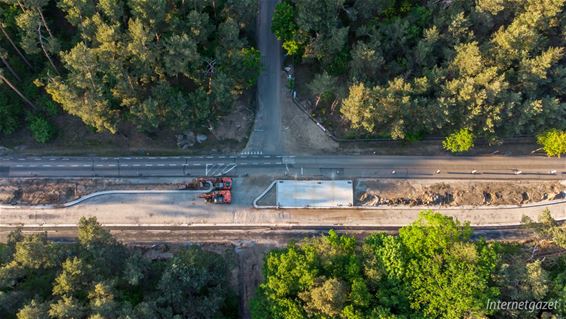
column 236, row 124
column 455, row 193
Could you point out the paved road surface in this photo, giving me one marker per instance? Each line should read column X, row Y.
column 266, row 134
column 496, row 167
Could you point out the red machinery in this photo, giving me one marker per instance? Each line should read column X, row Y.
column 221, row 183
column 218, row 183
column 218, row 197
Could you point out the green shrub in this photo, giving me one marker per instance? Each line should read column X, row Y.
column 292, row 47
column 283, row 23
column 50, row 107
column 553, row 142
column 9, row 115
column 41, row 129
column 460, row 141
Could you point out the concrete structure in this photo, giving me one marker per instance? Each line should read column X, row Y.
column 314, row 194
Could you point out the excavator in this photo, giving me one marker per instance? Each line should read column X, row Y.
column 218, row 197
column 218, row 183
column 221, row 183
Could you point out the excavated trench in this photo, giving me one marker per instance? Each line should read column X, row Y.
column 372, row 192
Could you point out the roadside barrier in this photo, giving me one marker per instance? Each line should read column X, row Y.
column 97, row 194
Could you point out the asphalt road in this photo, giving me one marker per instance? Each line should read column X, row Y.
column 489, row 167
column 266, row 134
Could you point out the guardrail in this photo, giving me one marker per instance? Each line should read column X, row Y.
column 97, row 194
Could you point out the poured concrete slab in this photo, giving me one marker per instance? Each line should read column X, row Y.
column 314, row 194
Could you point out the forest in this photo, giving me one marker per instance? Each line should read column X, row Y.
column 99, row 278
column 149, row 63
column 434, row 268
column 409, row 69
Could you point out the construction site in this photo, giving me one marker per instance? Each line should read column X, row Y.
column 297, row 193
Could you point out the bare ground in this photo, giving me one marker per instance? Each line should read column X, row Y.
column 372, row 192
column 300, row 135
column 229, row 134
column 236, row 125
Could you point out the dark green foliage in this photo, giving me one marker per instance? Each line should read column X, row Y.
column 193, row 284
column 202, row 49
column 99, row 277
column 283, row 24
column 437, row 67
column 41, row 129
column 431, row 270
column 251, row 62
column 534, row 271
column 10, row 111
column 137, row 61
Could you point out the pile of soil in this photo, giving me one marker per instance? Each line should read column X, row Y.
column 237, row 124
column 455, row 193
column 59, row 191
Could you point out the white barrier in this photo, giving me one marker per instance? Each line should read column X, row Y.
column 97, row 194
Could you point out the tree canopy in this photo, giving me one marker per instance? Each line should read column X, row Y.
column 434, row 268
column 98, row 277
column 152, row 63
column 432, row 68
column 431, row 270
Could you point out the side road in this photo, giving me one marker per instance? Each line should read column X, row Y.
column 184, row 208
column 266, row 135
